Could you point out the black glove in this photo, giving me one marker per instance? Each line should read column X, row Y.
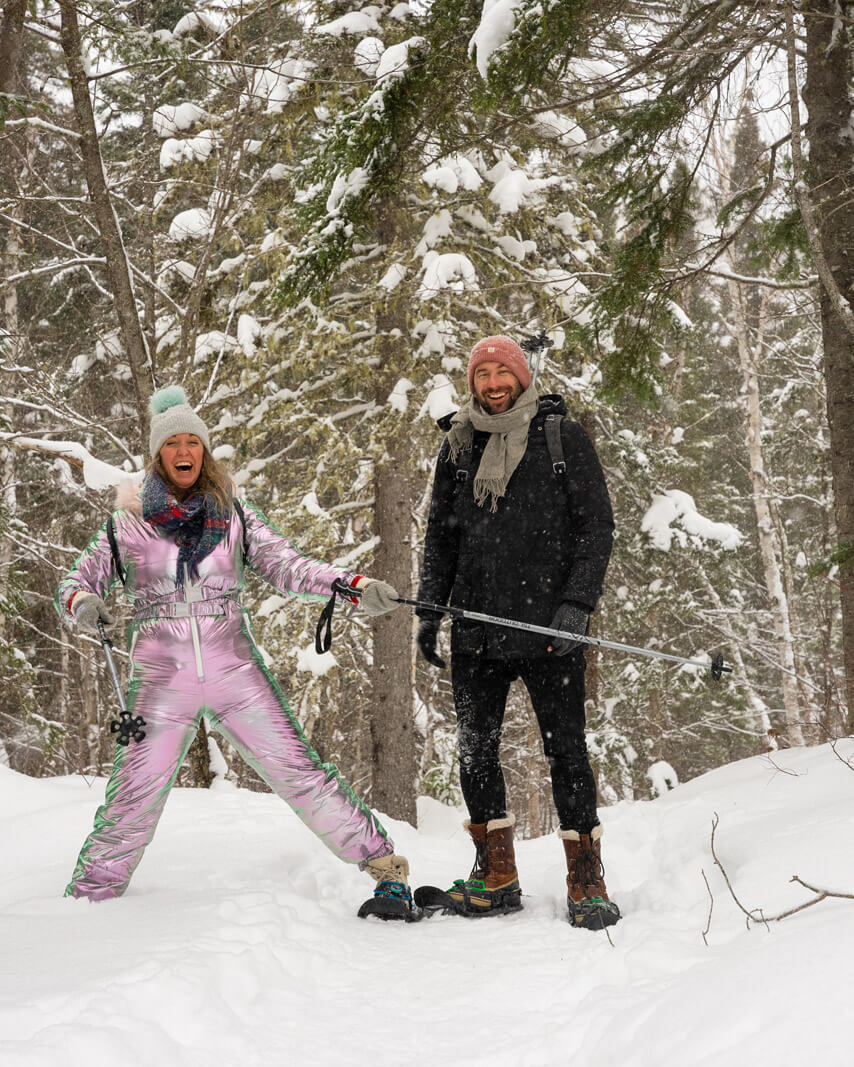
column 573, row 618
column 428, row 632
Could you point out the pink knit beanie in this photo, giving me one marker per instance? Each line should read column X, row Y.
column 501, row 350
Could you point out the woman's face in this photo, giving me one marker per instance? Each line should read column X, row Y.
column 181, row 456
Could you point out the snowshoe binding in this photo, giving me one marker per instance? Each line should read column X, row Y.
column 592, row 913
column 468, row 897
column 391, row 900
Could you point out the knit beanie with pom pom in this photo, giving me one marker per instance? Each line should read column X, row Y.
column 170, row 414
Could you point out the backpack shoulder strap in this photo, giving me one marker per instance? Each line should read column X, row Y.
column 554, row 443
column 241, row 514
column 461, row 464
column 114, row 550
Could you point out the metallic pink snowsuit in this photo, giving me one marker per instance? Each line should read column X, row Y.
column 192, row 654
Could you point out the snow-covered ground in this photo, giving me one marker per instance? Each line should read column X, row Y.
column 237, row 942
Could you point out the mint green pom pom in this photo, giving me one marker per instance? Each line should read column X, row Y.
column 166, row 398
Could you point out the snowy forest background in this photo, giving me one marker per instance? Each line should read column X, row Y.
column 308, row 212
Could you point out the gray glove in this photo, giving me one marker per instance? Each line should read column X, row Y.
column 88, row 609
column 378, row 597
column 570, row 617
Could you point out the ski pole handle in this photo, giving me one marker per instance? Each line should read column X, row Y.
column 323, row 631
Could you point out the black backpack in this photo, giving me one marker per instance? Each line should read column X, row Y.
column 554, row 443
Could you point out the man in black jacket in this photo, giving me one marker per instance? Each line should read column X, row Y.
column 518, row 532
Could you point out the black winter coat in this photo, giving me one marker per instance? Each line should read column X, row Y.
column 549, row 541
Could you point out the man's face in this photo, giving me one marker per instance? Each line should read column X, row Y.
column 495, row 387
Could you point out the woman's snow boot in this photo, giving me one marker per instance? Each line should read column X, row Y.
column 392, row 898
column 586, row 897
column 492, row 888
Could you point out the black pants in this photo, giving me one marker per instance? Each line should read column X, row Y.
column 556, row 687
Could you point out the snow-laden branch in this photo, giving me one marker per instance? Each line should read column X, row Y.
column 69, row 416
column 96, row 474
column 768, row 283
column 42, row 124
column 52, row 268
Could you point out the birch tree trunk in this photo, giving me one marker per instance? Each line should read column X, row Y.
column 11, row 30
column 769, row 546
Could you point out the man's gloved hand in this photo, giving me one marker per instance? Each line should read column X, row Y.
column 88, row 608
column 378, row 597
column 428, row 632
column 571, row 617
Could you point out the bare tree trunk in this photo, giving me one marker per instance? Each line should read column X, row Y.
column 199, row 758
column 828, row 96
column 118, row 268
column 534, row 775
column 11, row 31
column 393, row 731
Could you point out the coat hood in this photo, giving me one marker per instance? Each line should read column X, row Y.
column 127, row 495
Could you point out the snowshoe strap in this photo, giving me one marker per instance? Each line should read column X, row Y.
column 396, row 890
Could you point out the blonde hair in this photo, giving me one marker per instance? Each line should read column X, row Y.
column 213, row 481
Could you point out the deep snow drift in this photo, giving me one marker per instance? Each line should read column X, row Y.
column 237, row 942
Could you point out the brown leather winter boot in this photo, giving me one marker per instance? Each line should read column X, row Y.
column 493, row 885
column 586, row 896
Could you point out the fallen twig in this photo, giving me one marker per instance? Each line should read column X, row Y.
column 757, row 915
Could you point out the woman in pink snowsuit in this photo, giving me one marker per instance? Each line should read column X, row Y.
column 192, row 654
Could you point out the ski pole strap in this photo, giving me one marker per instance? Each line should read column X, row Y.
column 323, row 632
column 114, row 551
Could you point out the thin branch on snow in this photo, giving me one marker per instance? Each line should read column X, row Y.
column 711, row 909
column 756, row 915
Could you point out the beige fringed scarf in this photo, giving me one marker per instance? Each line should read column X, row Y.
column 508, row 439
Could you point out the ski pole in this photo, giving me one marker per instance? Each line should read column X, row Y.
column 127, row 727
column 716, row 666
column 536, row 347
column 322, row 642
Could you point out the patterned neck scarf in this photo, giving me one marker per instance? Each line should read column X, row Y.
column 197, row 525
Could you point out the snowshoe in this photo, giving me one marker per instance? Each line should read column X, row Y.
column 469, row 898
column 391, row 901
column 592, row 913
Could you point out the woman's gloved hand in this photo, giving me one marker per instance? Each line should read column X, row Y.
column 378, row 597
column 88, row 608
column 573, row 618
column 428, row 632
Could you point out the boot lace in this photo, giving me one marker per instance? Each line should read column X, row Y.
column 587, row 870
